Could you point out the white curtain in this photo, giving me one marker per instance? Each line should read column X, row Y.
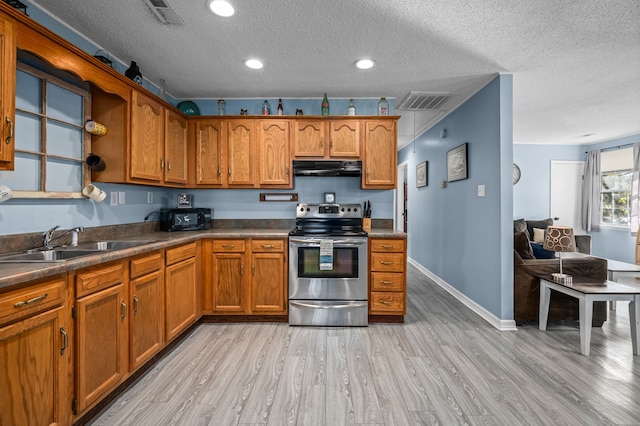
column 635, row 183
column 590, row 209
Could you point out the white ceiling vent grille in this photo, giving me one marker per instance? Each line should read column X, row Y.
column 164, row 12
column 423, row 101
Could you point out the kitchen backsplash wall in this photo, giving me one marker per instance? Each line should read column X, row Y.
column 19, row 216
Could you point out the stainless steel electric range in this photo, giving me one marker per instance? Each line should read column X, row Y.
column 328, row 266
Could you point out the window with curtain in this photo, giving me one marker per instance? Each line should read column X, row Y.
column 51, row 143
column 615, row 192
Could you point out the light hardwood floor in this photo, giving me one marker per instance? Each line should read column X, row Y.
column 444, row 366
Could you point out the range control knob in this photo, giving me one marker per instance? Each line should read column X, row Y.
column 342, row 209
column 308, row 209
column 349, row 209
column 355, row 209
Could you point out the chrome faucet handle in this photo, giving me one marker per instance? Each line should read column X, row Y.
column 47, row 236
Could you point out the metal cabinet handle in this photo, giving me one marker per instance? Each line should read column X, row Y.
column 386, row 262
column 65, row 340
column 30, row 301
column 168, row 164
column 229, row 170
column 386, row 282
column 266, row 246
column 161, row 164
column 136, row 304
column 242, row 270
column 124, row 309
column 10, row 123
column 387, row 246
column 228, row 246
column 322, row 142
column 386, row 302
column 219, row 170
column 287, row 171
column 253, row 269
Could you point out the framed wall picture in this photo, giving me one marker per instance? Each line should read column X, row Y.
column 457, row 165
column 421, row 174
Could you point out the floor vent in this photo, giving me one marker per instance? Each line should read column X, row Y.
column 423, row 101
column 164, row 12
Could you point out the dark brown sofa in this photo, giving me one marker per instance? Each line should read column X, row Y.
column 526, row 291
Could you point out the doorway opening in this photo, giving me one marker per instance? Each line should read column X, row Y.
column 402, row 199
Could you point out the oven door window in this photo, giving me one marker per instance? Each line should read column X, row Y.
column 345, row 263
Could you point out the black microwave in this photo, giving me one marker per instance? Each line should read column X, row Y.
column 185, row 219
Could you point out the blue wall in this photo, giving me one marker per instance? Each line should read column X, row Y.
column 33, row 215
column 531, row 195
column 460, row 237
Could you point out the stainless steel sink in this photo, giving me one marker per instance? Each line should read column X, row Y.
column 45, row 256
column 109, row 245
column 61, row 254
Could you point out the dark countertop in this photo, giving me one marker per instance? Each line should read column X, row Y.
column 12, row 274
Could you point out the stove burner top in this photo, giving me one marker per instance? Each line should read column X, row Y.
column 328, row 220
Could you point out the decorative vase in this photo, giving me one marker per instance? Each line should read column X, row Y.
column 133, row 72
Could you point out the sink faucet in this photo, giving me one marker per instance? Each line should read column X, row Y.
column 47, row 236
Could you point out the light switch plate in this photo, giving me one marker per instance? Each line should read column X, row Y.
column 121, row 197
column 480, row 190
column 149, row 197
column 114, row 198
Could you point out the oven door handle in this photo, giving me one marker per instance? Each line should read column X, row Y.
column 335, row 304
column 336, row 243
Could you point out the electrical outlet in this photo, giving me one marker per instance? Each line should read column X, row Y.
column 114, row 198
column 149, row 197
column 121, row 197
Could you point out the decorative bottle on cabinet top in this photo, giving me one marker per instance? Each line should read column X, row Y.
column 325, row 105
column 383, row 106
column 351, row 109
column 280, row 109
column 266, row 108
column 133, row 72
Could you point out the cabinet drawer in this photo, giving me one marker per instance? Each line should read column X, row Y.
column 27, row 301
column 177, row 254
column 387, row 246
column 145, row 265
column 388, row 302
column 228, row 246
column 267, row 246
column 91, row 280
column 381, row 281
column 387, row 262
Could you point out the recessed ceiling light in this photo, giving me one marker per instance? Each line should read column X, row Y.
column 221, row 8
column 365, row 64
column 254, row 64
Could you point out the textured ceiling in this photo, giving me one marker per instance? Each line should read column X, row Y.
column 576, row 64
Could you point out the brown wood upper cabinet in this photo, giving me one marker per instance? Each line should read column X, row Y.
column 380, row 160
column 225, row 152
column 274, row 158
column 322, row 138
column 7, row 93
column 147, row 138
column 175, row 148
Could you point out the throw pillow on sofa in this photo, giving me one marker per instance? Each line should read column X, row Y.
column 520, row 225
column 538, row 235
column 540, row 253
column 542, row 224
column 521, row 245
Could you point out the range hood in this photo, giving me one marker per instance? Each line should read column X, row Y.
column 327, row 168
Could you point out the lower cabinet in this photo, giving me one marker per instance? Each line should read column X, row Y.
column 146, row 321
column 387, row 279
column 102, row 338
column 182, row 289
column 35, row 354
column 245, row 276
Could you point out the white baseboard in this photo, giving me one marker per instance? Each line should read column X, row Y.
column 502, row 325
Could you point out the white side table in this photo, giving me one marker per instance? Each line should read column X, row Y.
column 589, row 290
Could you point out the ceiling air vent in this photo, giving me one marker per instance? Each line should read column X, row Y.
column 164, row 12
column 423, row 101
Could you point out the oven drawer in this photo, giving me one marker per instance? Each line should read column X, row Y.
column 328, row 313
